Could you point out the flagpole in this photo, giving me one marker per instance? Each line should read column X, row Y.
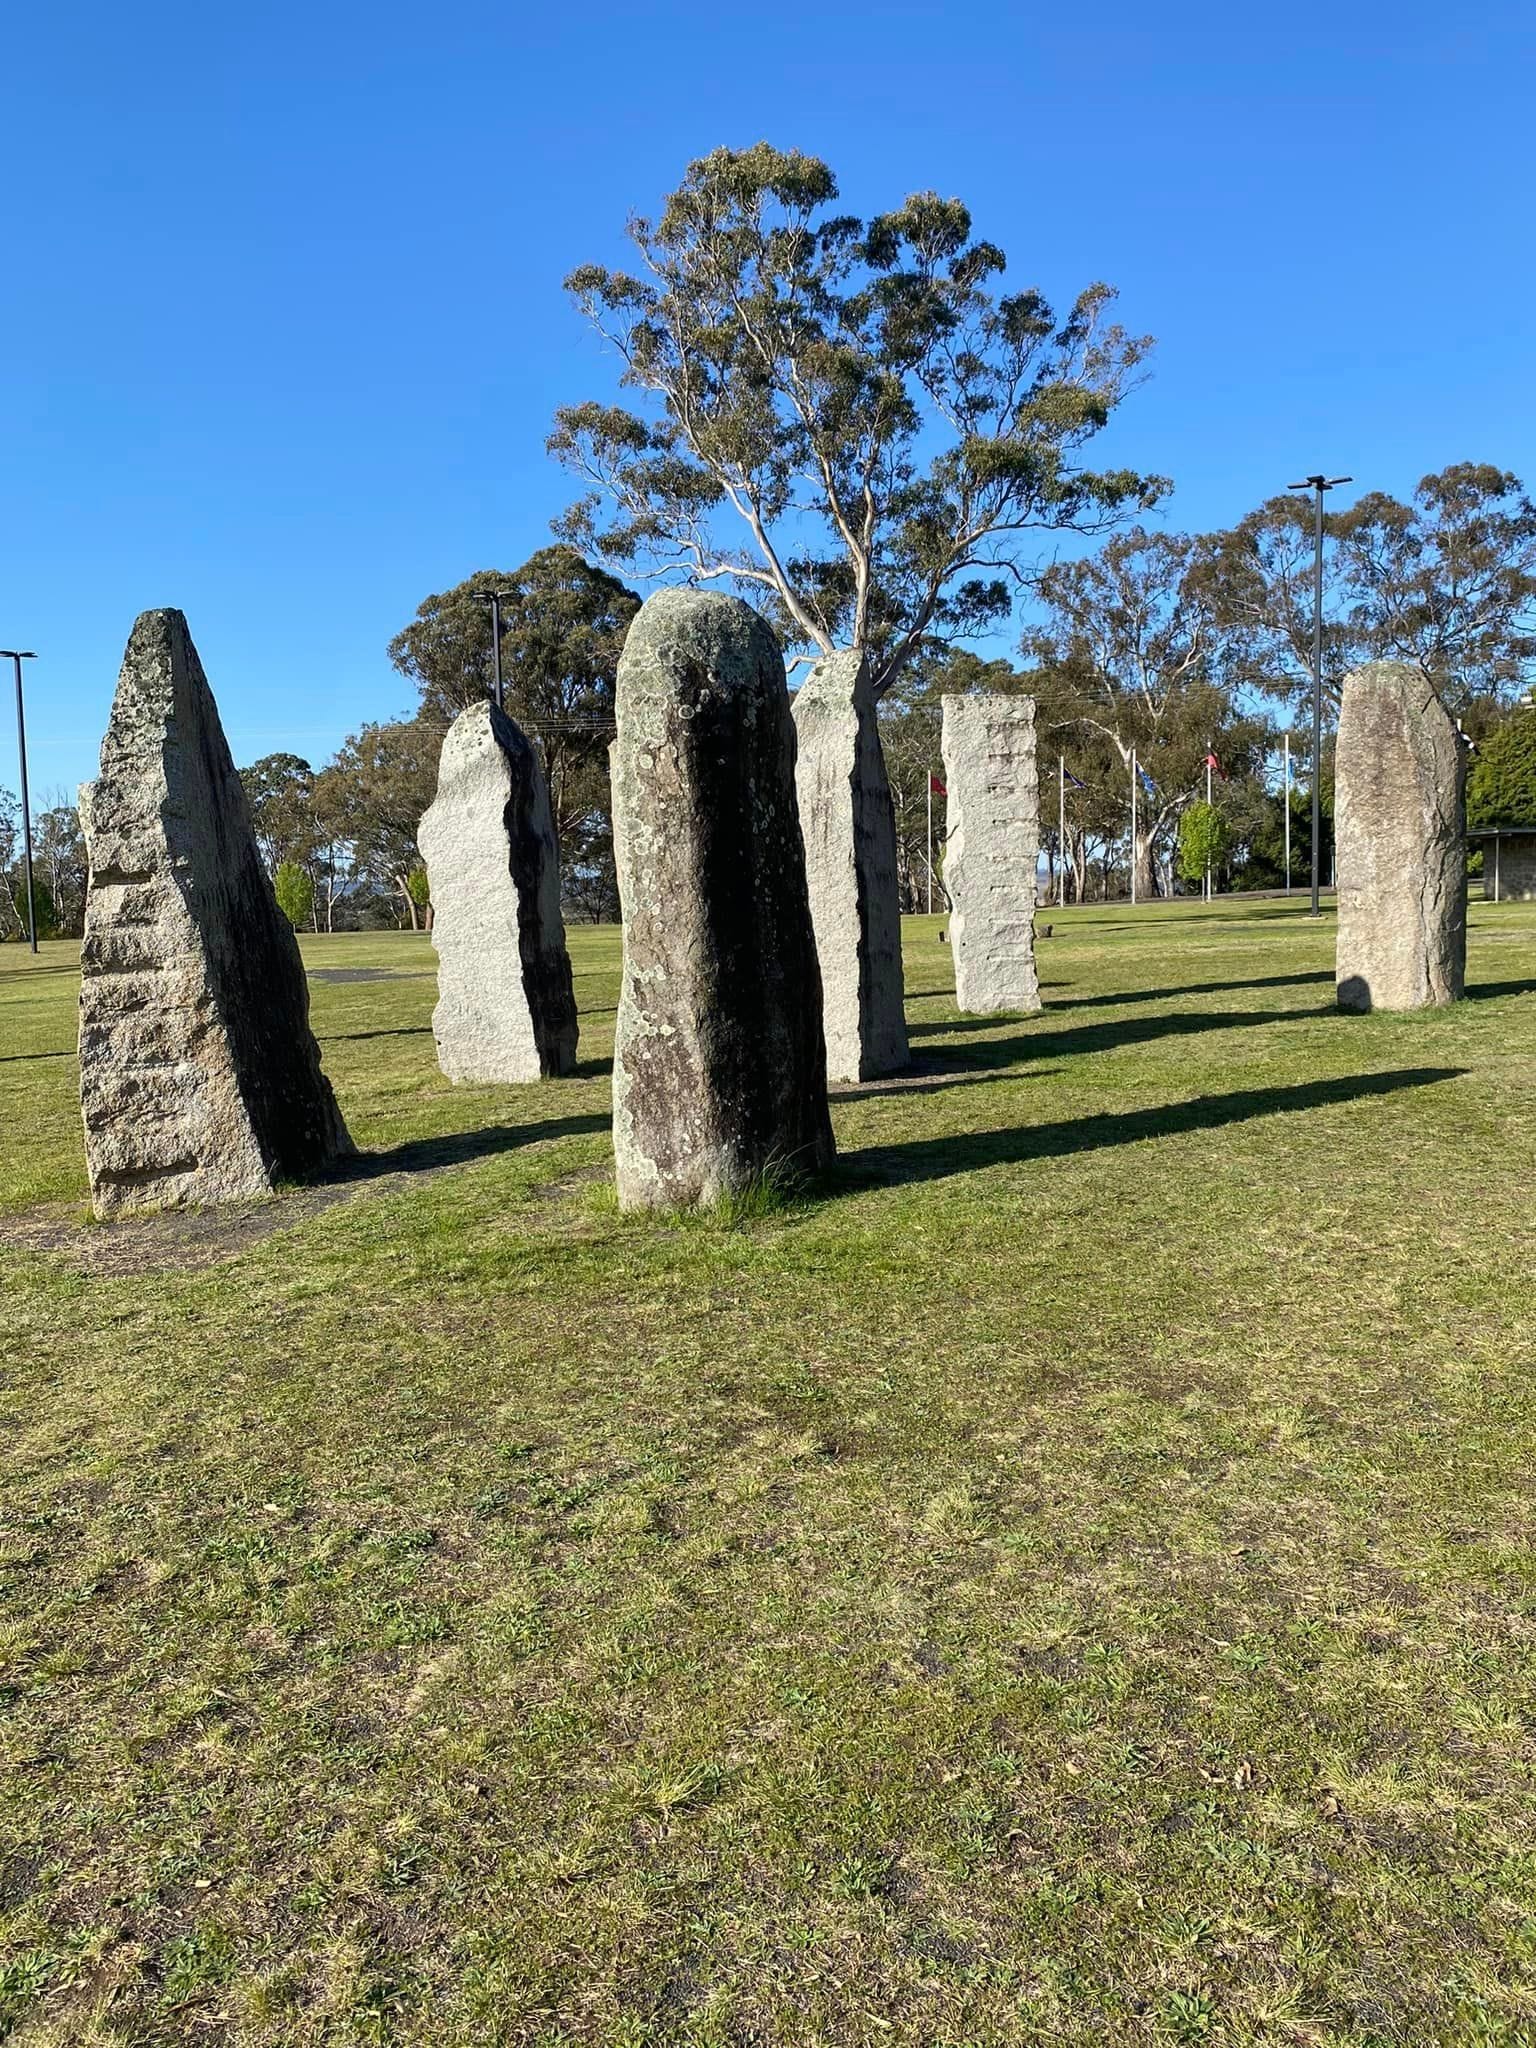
column 1207, row 843
column 930, row 842
column 1133, row 827
column 1287, row 812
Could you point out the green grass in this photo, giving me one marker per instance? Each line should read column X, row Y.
column 1073, row 1581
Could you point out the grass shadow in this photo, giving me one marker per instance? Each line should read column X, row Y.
column 1196, row 988
column 1484, row 989
column 940, row 1158
column 1030, row 1043
column 458, row 1148
column 7, row 1058
column 397, row 1031
column 928, row 1080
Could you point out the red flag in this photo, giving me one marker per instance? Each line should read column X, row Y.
column 1212, row 762
column 936, row 786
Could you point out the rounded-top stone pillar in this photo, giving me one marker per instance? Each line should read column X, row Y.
column 1400, row 841
column 719, row 1060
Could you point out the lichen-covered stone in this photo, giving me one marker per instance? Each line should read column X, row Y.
column 849, row 829
column 200, row 1079
column 505, row 1006
column 992, row 850
column 1400, row 837
column 719, row 1062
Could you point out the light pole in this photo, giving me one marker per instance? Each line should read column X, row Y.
column 1317, row 485
column 12, row 654
column 493, row 599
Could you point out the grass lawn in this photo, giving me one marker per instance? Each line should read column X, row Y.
column 1073, row 1582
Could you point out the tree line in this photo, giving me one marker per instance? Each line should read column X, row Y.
column 855, row 423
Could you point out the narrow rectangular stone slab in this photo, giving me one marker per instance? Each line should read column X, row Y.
column 992, row 850
column 200, row 1078
column 1400, row 840
column 849, row 828
column 720, row 1072
column 506, row 1010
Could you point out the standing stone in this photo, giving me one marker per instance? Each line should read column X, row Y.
column 720, row 1070
column 850, row 858
column 1400, row 834
column 992, row 850
column 506, row 1010
column 200, row 1078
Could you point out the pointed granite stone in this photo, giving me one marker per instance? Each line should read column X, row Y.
column 720, row 1070
column 506, row 1010
column 200, row 1078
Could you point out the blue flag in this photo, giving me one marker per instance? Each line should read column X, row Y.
column 1147, row 783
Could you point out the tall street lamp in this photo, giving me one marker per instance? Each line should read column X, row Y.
column 12, row 654
column 493, row 599
column 1317, row 485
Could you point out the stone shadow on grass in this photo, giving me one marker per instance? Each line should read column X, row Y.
column 395, row 1031
column 923, row 1078
column 1032, row 1043
column 924, row 1159
column 1477, row 992
column 458, row 1148
column 187, row 1240
column 1194, row 988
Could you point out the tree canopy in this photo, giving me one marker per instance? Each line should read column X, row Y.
column 563, row 623
column 1447, row 581
column 1130, row 645
column 1501, row 788
column 374, row 792
column 845, row 418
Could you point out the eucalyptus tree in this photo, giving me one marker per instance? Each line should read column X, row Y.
column 1131, row 644
column 280, row 789
column 563, row 621
column 1447, row 580
column 848, row 420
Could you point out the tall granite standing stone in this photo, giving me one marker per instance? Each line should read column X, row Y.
column 850, row 858
column 992, row 850
column 506, row 1010
column 1400, row 839
column 720, row 1071
column 200, row 1079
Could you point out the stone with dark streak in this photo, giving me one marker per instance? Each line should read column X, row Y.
column 719, row 1059
column 849, row 828
column 200, row 1078
column 505, row 1008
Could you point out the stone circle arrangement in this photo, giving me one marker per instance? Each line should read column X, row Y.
column 756, row 851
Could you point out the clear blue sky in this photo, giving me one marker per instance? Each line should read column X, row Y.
column 283, row 326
